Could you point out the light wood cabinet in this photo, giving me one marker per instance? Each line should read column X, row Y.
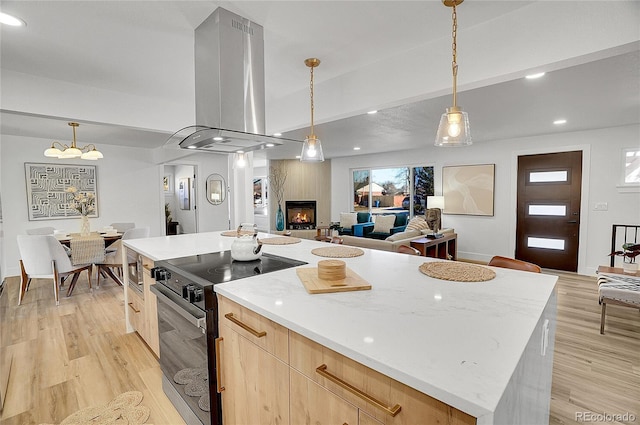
column 142, row 308
column 255, row 381
column 270, row 372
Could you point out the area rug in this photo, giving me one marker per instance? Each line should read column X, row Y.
column 125, row 409
column 280, row 240
column 459, row 272
column 337, row 252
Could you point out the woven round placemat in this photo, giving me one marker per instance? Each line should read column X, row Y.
column 234, row 233
column 460, row 272
column 280, row 240
column 337, row 252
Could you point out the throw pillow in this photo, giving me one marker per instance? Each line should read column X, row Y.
column 384, row 223
column 417, row 223
column 407, row 234
column 348, row 219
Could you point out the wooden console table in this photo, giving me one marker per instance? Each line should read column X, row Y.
column 444, row 247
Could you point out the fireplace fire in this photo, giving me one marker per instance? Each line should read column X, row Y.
column 301, row 215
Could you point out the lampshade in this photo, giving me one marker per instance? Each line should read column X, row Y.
column 59, row 150
column 435, row 202
column 454, row 123
column 312, row 147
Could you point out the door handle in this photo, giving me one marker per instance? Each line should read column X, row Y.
column 572, row 221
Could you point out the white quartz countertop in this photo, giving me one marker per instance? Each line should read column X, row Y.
column 457, row 342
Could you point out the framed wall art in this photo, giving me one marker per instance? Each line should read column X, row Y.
column 48, row 197
column 468, row 189
column 184, row 193
column 167, row 183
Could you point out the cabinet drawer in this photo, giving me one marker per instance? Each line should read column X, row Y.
column 261, row 331
column 136, row 310
column 380, row 396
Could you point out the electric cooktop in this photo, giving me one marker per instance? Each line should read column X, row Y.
column 219, row 267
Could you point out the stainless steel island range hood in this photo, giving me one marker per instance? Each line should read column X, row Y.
column 229, row 82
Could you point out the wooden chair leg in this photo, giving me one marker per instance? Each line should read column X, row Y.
column 24, row 283
column 56, row 282
column 72, row 285
column 89, row 275
column 604, row 307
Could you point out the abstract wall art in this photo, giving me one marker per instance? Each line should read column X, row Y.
column 468, row 189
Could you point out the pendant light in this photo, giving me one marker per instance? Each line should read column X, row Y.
column 312, row 148
column 454, row 124
column 88, row 152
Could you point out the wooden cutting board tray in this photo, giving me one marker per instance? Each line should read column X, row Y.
column 314, row 285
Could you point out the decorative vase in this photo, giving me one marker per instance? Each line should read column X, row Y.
column 279, row 219
column 630, row 268
column 85, row 228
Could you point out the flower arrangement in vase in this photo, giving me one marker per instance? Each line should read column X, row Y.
column 629, row 253
column 85, row 204
column 277, row 178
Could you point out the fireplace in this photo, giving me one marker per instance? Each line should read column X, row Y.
column 300, row 214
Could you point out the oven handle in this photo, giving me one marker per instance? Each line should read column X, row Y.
column 194, row 315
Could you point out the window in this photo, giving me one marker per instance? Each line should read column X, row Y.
column 631, row 167
column 388, row 189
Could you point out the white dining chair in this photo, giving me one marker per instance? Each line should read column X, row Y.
column 41, row 231
column 123, row 227
column 42, row 257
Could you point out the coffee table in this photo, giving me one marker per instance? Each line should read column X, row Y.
column 444, row 247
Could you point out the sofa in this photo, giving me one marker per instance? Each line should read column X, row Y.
column 384, row 225
column 392, row 242
column 353, row 224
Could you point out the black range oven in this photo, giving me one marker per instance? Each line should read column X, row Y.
column 188, row 326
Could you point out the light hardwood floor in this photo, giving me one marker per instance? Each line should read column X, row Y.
column 78, row 355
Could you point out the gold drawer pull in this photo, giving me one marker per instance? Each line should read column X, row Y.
column 257, row 334
column 219, row 387
column 135, row 310
column 322, row 371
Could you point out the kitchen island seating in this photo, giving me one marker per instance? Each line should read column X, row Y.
column 512, row 263
column 43, row 257
column 404, row 249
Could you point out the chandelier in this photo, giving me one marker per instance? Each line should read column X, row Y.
column 454, row 123
column 312, row 148
column 62, row 151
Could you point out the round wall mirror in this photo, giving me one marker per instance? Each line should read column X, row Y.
column 216, row 189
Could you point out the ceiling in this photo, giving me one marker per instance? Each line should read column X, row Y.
column 139, row 47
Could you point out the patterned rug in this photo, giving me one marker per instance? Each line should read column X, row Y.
column 125, row 409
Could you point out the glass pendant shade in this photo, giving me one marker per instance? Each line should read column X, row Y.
column 52, row 152
column 454, row 128
column 71, row 153
column 241, row 160
column 312, row 150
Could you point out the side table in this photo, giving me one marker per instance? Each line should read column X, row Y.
column 444, row 247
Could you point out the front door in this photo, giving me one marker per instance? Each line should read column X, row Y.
column 548, row 217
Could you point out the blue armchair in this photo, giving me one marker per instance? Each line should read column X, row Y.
column 399, row 225
column 362, row 219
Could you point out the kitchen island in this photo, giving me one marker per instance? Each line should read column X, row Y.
column 483, row 348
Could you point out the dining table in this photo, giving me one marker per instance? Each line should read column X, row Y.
column 109, row 238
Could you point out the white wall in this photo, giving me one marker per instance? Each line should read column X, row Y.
column 129, row 189
column 186, row 218
column 479, row 238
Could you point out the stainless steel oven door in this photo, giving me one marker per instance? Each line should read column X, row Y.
column 183, row 355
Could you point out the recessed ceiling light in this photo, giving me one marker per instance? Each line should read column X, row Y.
column 372, row 112
column 534, row 76
column 269, row 145
column 356, row 148
column 277, row 134
column 11, row 20
column 191, row 147
column 218, row 139
column 239, row 151
column 559, row 122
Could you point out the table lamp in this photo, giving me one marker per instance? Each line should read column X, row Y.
column 434, row 217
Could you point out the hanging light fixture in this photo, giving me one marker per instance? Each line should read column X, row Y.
column 312, row 148
column 240, row 159
column 454, row 124
column 88, row 152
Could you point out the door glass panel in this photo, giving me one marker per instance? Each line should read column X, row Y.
column 545, row 243
column 548, row 176
column 360, row 198
column 555, row 210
